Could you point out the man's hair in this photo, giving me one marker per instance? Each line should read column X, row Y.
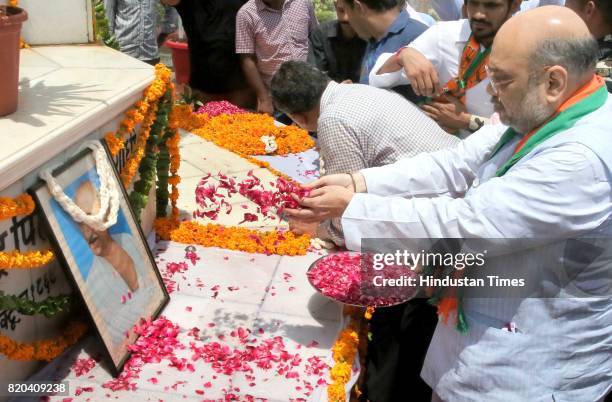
column 577, row 55
column 379, row 5
column 297, row 87
column 507, row 1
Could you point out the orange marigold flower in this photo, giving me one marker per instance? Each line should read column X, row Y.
column 21, row 205
column 47, row 349
column 241, row 133
column 232, row 238
column 26, row 260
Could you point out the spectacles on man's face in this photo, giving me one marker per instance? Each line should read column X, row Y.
column 496, row 84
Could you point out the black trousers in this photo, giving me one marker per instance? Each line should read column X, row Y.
column 399, row 342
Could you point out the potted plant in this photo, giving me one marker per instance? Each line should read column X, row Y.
column 180, row 55
column 11, row 19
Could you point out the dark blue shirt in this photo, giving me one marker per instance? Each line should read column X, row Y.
column 403, row 31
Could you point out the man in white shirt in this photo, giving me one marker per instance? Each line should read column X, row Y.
column 451, row 10
column 547, row 180
column 449, row 59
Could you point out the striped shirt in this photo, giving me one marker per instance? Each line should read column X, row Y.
column 274, row 36
column 361, row 126
column 134, row 23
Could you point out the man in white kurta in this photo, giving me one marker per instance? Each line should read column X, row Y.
column 434, row 58
column 450, row 10
column 555, row 195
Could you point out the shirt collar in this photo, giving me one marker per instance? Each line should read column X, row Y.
column 399, row 24
column 262, row 6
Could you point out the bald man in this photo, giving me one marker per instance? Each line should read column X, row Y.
column 546, row 181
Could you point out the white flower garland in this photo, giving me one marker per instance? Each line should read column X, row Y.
column 270, row 142
column 109, row 196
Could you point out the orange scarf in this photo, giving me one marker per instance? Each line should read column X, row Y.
column 586, row 90
column 471, row 70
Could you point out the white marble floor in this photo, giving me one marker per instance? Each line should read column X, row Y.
column 268, row 296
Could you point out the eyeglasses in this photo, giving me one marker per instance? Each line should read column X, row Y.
column 494, row 86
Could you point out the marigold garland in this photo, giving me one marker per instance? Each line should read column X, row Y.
column 232, row 238
column 27, row 260
column 47, row 349
column 241, row 132
column 175, row 163
column 21, row 205
column 135, row 115
column 131, row 165
column 343, row 353
column 149, row 169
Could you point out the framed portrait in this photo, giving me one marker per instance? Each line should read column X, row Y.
column 108, row 259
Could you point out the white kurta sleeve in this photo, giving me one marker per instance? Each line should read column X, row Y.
column 559, row 193
column 427, row 44
column 388, row 80
column 447, row 171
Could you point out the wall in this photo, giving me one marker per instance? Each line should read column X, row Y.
column 54, row 22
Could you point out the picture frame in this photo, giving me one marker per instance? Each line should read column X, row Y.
column 113, row 270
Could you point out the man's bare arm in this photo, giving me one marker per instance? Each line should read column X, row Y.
column 249, row 67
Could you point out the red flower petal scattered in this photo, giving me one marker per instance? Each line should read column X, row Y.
column 83, row 366
column 79, row 390
column 192, row 256
column 211, row 200
column 157, row 341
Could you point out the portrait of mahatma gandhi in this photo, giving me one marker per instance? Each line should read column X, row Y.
column 100, row 242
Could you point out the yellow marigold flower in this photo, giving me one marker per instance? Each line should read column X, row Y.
column 336, row 393
column 26, row 260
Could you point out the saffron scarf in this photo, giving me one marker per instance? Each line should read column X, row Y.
column 471, row 69
column 584, row 101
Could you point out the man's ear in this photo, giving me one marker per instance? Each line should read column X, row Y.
column 589, row 10
column 556, row 82
column 359, row 6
